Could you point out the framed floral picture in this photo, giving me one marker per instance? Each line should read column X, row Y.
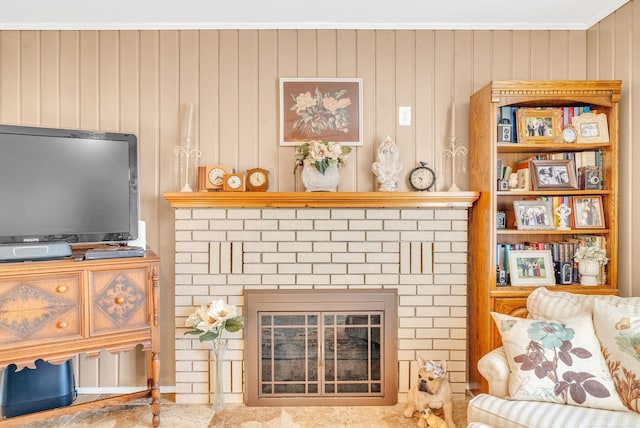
column 328, row 109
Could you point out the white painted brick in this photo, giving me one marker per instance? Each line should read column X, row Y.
column 183, row 257
column 261, row 268
column 420, row 300
column 366, row 268
column 313, row 279
column 191, row 247
column 348, row 236
column 200, row 258
column 383, row 236
column 183, row 235
column 347, row 279
column 406, row 333
column 209, row 235
column 459, row 268
column 421, row 344
column 224, row 224
column 295, row 268
column 434, row 290
column 442, row 247
column 261, row 224
column 450, row 258
column 329, row 247
column 459, row 290
column 260, row 247
column 365, row 225
column 434, row 225
column 459, row 225
column 400, row 225
column 296, row 225
column 183, row 280
column 452, row 214
column 416, row 279
column 182, row 214
column 458, row 333
column 458, row 311
column 426, row 236
column 450, row 279
column 389, row 258
column 192, row 399
column 416, row 214
column 206, row 213
column 279, row 213
column 380, row 279
column 209, row 279
column 450, row 323
column 277, row 236
column 347, row 214
column 251, row 258
column 459, row 247
column 391, row 247
column 334, row 268
column 243, row 213
column 450, row 236
column 432, row 333
column 315, row 214
column 192, row 268
column 243, row 235
column 364, row 247
column 344, row 257
column 404, row 289
column 449, row 344
column 279, row 279
column 244, row 279
column 383, row 214
column 315, row 257
column 313, row 236
column 390, row 268
column 192, row 225
column 279, row 258
column 330, row 225
column 450, row 300
column 295, row 246
column 432, row 311
column 226, row 290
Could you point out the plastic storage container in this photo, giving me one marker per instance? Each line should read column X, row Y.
column 32, row 390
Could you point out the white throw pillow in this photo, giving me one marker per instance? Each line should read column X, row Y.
column 618, row 329
column 558, row 362
column 543, row 304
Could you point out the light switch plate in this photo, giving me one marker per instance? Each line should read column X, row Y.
column 404, row 116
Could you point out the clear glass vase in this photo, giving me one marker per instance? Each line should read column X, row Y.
column 219, row 350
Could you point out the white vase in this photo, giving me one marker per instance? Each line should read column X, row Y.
column 315, row 181
column 589, row 270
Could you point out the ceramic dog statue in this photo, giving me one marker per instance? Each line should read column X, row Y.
column 432, row 391
column 433, row 421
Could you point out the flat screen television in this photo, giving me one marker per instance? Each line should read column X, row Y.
column 66, row 185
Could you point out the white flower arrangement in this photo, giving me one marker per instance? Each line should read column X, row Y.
column 210, row 321
column 321, row 155
column 586, row 253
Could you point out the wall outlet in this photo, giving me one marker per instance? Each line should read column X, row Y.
column 404, row 116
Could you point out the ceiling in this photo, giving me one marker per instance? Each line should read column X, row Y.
column 287, row 14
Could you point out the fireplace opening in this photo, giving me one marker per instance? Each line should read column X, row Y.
column 310, row 347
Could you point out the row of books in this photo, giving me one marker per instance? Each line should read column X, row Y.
column 562, row 252
column 508, row 114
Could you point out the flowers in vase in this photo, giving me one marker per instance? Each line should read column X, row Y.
column 321, row 155
column 210, row 321
column 587, row 253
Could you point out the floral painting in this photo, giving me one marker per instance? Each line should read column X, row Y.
column 321, row 109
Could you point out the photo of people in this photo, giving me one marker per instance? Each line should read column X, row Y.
column 539, row 126
column 588, row 212
column 531, row 267
column 553, row 175
column 550, row 174
column 533, row 215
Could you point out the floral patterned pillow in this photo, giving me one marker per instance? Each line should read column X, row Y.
column 618, row 329
column 558, row 362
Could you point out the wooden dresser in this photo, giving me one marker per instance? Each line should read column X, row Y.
column 54, row 310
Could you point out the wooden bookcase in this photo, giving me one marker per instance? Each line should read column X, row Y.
column 484, row 295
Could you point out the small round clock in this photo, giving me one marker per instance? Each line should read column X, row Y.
column 569, row 134
column 215, row 176
column 257, row 180
column 233, row 183
column 422, row 177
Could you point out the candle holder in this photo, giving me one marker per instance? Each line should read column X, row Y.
column 455, row 152
column 186, row 156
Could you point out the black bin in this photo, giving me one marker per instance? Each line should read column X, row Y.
column 32, row 390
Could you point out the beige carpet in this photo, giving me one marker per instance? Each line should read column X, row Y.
column 324, row 417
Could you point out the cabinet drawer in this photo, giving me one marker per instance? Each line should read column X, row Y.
column 33, row 309
column 118, row 300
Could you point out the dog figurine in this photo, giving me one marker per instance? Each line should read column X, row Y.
column 432, row 391
column 433, row 421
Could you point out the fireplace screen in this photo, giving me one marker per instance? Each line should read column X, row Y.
column 326, row 348
column 325, row 353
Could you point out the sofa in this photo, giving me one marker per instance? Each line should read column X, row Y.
column 527, row 387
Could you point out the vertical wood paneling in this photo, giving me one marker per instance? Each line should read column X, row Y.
column 30, row 77
column 138, row 81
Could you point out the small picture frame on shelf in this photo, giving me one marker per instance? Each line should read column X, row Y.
column 591, row 128
column 539, row 126
column 533, row 215
column 553, row 174
column 588, row 212
column 531, row 268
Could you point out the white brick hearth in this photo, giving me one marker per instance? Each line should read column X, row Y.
column 422, row 252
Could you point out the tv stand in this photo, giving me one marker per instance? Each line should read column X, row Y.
column 69, row 307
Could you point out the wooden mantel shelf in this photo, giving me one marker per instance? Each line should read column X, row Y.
column 321, row 199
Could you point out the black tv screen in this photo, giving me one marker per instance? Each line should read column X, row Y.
column 67, row 185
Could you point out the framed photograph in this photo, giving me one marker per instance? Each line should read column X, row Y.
column 328, row 109
column 588, row 213
column 591, row 128
column 553, row 174
column 539, row 125
column 533, row 215
column 531, row 268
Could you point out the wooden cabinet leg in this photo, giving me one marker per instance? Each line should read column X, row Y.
column 155, row 388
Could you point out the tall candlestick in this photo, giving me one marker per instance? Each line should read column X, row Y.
column 453, row 121
column 189, row 122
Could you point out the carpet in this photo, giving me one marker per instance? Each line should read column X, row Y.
column 324, row 417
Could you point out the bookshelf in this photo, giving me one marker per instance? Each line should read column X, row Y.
column 488, row 158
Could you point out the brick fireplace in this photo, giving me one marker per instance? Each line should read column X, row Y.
column 420, row 251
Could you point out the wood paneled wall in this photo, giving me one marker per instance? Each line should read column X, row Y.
column 141, row 82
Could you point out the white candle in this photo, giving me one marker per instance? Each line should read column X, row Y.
column 190, row 121
column 453, row 121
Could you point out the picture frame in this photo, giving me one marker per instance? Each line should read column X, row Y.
column 533, row 215
column 588, row 212
column 327, row 109
column 591, row 128
column 539, row 126
column 553, row 174
column 531, row 268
